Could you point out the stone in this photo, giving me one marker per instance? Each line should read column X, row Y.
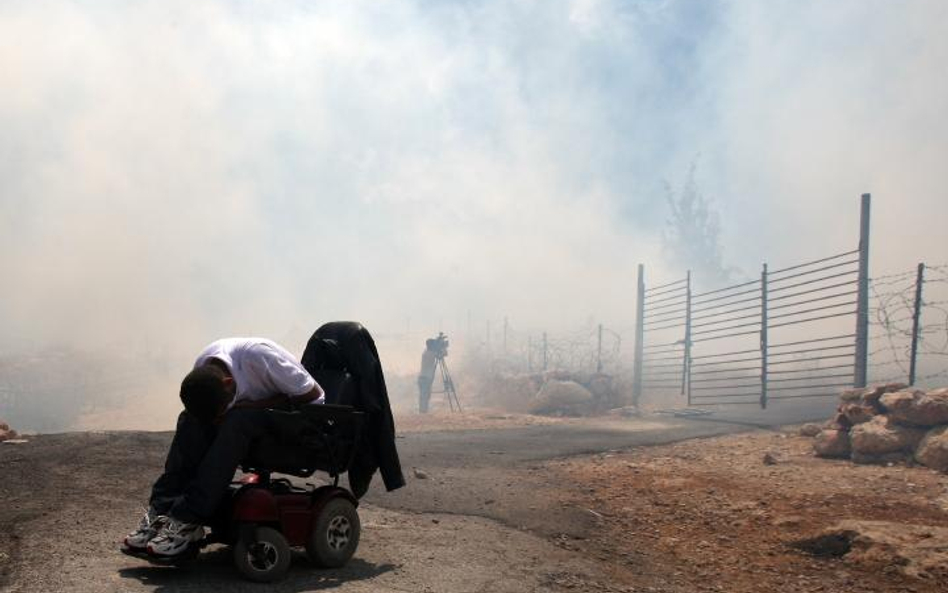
column 810, row 430
column 600, row 386
column 872, row 395
column 832, row 444
column 769, row 459
column 564, row 397
column 838, row 422
column 932, row 451
column 789, row 521
column 7, row 434
column 852, row 395
column 625, row 412
column 857, row 413
column 420, row 474
column 916, row 408
column 880, row 436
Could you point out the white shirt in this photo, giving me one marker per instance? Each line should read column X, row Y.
column 261, row 368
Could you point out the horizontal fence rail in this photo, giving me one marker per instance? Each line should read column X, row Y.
column 764, row 339
column 787, row 335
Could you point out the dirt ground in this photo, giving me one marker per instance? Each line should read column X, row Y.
column 476, row 419
column 712, row 515
column 704, row 514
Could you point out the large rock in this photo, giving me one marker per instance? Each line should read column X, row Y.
column 853, row 395
column 832, row 443
column 880, row 436
column 600, row 386
column 6, row 433
column 857, row 412
column 838, row 422
column 932, row 451
column 625, row 412
column 561, row 397
column 872, row 395
column 810, row 430
column 917, row 408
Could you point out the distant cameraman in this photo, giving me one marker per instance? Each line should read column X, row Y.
column 429, row 362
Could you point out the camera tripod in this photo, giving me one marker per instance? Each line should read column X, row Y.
column 450, row 393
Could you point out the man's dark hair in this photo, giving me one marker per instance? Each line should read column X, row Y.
column 203, row 392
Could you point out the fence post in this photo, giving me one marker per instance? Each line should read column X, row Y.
column 763, row 338
column 686, row 361
column 916, row 317
column 530, row 354
column 505, row 337
column 862, row 301
column 639, row 334
column 599, row 351
column 544, row 351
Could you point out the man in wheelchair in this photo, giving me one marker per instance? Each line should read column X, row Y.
column 232, row 399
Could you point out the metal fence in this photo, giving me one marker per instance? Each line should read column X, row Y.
column 909, row 326
column 799, row 331
column 594, row 349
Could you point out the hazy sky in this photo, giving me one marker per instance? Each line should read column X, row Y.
column 172, row 171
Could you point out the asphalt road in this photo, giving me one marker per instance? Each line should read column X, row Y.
column 482, row 512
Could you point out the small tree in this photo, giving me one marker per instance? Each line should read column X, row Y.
column 691, row 236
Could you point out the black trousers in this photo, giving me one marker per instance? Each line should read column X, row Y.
column 201, row 463
column 424, row 393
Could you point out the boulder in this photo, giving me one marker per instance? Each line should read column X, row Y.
column 601, row 386
column 625, row 412
column 560, row 397
column 917, row 408
column 810, row 430
column 872, row 395
column 852, row 395
column 932, row 451
column 838, row 422
column 832, row 443
column 880, row 436
column 857, row 412
column 6, row 433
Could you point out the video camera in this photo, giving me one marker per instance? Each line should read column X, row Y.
column 439, row 345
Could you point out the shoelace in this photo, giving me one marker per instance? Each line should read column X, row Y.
column 173, row 527
column 146, row 519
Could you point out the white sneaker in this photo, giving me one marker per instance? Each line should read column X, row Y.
column 147, row 529
column 174, row 538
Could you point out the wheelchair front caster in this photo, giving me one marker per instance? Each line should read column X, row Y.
column 335, row 534
column 262, row 554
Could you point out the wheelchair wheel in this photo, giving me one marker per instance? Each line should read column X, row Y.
column 335, row 535
column 263, row 558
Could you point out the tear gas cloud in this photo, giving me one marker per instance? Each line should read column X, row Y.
column 173, row 172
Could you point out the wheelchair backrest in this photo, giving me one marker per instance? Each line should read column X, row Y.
column 340, row 387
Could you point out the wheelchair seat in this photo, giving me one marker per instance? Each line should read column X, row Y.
column 312, row 437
